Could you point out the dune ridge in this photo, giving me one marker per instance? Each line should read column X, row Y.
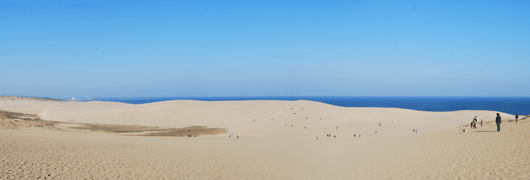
column 268, row 146
column 249, row 117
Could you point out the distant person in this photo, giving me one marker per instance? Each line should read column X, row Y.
column 475, row 120
column 481, row 121
column 237, row 136
column 317, row 137
column 354, row 135
column 375, row 132
column 516, row 117
column 379, row 124
column 413, row 130
column 498, row 121
column 416, row 131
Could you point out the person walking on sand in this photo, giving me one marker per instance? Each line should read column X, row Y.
column 481, row 121
column 516, row 117
column 498, row 121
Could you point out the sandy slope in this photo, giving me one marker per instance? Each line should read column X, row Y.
column 267, row 149
column 252, row 118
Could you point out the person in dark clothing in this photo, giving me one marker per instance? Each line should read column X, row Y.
column 498, row 121
column 516, row 117
column 475, row 120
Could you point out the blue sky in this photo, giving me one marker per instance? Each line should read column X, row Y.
column 264, row 48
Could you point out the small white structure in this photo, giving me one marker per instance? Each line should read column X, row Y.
column 73, row 98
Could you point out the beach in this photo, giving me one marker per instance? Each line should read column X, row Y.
column 254, row 140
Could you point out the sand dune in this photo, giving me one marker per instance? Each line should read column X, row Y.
column 267, row 148
column 252, row 118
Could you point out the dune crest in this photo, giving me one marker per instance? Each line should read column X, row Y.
column 263, row 140
column 253, row 118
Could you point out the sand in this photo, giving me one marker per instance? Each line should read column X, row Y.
column 266, row 149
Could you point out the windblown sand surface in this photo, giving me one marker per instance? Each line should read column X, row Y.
column 268, row 148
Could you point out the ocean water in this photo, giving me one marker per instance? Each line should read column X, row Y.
column 510, row 105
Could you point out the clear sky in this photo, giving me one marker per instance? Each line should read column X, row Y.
column 264, row 48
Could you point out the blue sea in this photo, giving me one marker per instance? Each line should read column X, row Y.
column 510, row 105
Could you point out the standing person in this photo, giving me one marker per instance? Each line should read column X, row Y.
column 475, row 120
column 516, row 117
column 481, row 121
column 498, row 121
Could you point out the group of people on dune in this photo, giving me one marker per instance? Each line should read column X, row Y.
column 498, row 121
